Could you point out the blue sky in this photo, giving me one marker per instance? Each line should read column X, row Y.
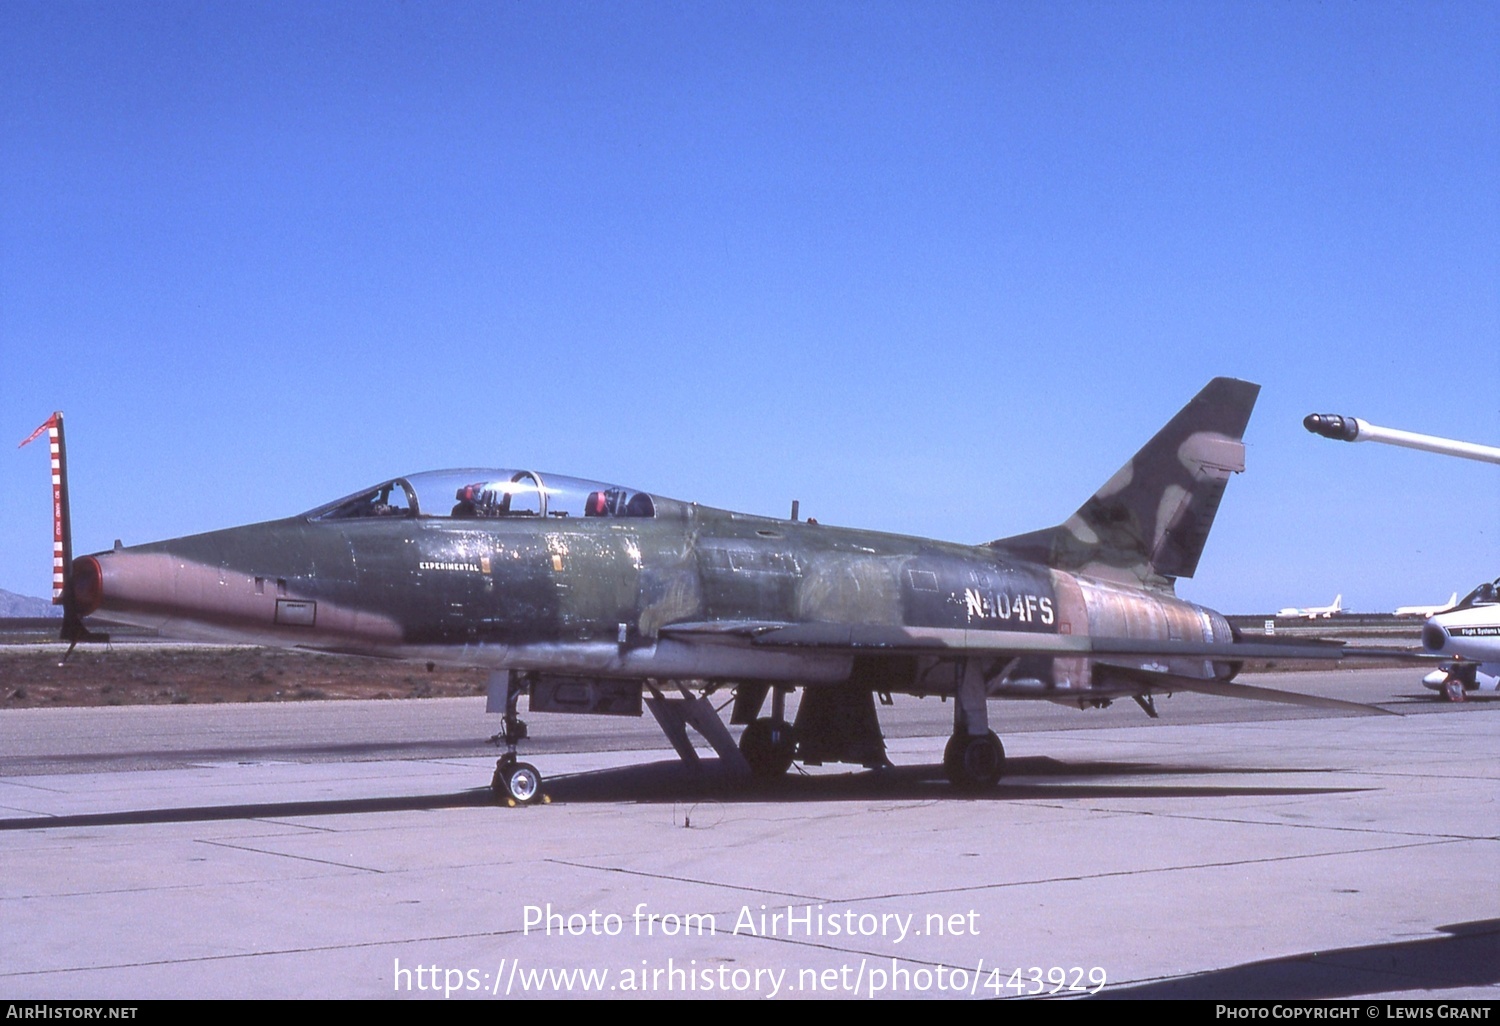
column 934, row 268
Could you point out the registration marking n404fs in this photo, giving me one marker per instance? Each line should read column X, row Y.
column 1027, row 608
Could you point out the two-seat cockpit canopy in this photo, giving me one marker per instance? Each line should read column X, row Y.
column 485, row 494
column 1487, row 594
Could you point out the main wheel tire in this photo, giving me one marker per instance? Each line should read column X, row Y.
column 1453, row 688
column 974, row 762
column 523, row 783
column 768, row 746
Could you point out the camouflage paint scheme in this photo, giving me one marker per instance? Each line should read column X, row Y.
column 1082, row 613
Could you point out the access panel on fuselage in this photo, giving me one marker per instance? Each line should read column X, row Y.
column 451, row 582
column 596, row 565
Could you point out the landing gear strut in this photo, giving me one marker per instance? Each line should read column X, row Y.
column 514, row 782
column 974, row 757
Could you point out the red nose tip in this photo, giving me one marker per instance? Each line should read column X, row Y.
column 87, row 585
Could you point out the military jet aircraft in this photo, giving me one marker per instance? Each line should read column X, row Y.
column 590, row 597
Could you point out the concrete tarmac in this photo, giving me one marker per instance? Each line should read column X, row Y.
column 1227, row 850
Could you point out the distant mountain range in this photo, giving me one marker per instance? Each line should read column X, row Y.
column 13, row 605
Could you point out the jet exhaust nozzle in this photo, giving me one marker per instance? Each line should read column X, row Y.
column 1331, row 425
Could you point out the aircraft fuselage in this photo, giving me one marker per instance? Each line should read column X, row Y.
column 606, row 596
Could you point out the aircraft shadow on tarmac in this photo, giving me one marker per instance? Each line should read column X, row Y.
column 1032, row 777
column 1469, row 956
column 670, row 781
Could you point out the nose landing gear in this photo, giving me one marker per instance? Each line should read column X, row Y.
column 1454, row 687
column 515, row 782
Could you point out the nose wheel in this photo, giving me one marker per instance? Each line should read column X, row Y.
column 1460, row 678
column 517, row 783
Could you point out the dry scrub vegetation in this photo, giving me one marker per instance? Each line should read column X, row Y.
column 159, row 675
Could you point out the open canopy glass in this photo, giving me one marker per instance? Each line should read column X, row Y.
column 481, row 494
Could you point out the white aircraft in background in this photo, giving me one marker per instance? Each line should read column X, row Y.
column 1315, row 612
column 1425, row 611
column 1471, row 632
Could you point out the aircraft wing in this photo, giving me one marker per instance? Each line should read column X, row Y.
column 897, row 639
column 1225, row 689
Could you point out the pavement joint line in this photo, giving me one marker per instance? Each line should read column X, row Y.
column 310, row 828
column 273, row 953
column 1387, row 832
column 285, row 855
column 795, row 942
column 20, row 782
column 49, row 895
column 1145, row 871
column 1013, row 883
column 687, row 880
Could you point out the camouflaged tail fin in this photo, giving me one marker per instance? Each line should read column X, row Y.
column 1149, row 522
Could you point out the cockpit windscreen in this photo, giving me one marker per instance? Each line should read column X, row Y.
column 1484, row 595
column 482, row 494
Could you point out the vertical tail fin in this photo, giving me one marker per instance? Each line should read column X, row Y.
column 1149, row 522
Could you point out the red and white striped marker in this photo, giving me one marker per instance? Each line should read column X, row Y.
column 53, row 427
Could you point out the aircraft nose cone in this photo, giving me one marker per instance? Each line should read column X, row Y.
column 1434, row 637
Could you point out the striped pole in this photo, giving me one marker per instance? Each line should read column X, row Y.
column 62, row 542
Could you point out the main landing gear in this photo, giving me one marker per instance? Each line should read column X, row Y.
column 974, row 757
column 974, row 762
column 832, row 725
column 768, row 745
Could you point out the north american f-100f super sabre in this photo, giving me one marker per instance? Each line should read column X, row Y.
column 587, row 596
